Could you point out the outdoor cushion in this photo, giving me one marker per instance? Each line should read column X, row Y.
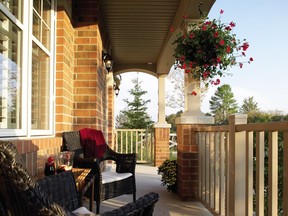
column 108, row 177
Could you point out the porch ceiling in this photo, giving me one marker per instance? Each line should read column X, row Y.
column 139, row 31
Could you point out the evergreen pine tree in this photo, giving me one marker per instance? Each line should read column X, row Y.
column 135, row 114
column 222, row 104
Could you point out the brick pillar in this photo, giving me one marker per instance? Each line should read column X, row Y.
column 161, row 146
column 187, row 162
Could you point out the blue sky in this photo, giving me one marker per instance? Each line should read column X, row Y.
column 265, row 26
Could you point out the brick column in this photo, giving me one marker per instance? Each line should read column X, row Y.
column 161, row 146
column 187, row 162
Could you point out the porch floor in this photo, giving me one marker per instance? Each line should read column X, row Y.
column 147, row 180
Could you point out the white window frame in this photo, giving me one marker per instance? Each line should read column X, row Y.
column 26, row 71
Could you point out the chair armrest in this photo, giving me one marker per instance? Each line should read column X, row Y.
column 61, row 189
column 124, row 162
column 91, row 163
column 142, row 206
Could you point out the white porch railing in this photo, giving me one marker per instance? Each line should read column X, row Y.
column 140, row 141
column 240, row 171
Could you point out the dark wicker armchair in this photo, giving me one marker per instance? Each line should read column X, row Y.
column 125, row 166
column 143, row 206
column 21, row 195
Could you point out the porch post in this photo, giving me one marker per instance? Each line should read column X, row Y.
column 236, row 182
column 187, row 145
column 161, row 128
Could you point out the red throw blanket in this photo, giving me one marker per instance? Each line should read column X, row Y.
column 93, row 142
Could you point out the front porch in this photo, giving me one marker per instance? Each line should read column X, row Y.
column 147, row 180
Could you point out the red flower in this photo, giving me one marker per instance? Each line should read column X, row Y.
column 182, row 58
column 251, row 59
column 216, row 34
column 221, row 11
column 193, row 93
column 204, row 28
column 191, row 35
column 218, row 59
column 217, row 82
column 245, row 46
column 172, row 29
column 190, row 64
column 241, row 65
column 184, row 66
column 228, row 49
column 228, row 28
column 232, row 24
column 206, row 74
column 222, row 42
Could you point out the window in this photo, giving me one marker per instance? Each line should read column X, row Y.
column 26, row 67
column 10, row 74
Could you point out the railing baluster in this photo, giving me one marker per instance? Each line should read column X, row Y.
column 249, row 173
column 285, row 173
column 216, row 171
column 222, row 174
column 211, row 169
column 260, row 148
column 273, row 174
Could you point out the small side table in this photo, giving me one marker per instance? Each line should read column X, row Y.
column 85, row 181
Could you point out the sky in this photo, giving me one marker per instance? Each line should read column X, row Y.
column 264, row 24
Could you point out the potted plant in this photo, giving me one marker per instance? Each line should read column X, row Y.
column 207, row 49
column 168, row 171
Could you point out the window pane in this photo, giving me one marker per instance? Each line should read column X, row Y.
column 47, row 12
column 37, row 6
column 40, row 89
column 36, row 25
column 42, row 21
column 46, row 36
column 10, row 74
column 15, row 7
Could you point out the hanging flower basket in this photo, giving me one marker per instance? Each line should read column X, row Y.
column 208, row 49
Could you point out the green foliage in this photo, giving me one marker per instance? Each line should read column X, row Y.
column 168, row 170
column 135, row 114
column 222, row 104
column 170, row 119
column 249, row 105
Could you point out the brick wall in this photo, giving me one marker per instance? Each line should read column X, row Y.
column 64, row 72
column 35, row 152
column 90, row 92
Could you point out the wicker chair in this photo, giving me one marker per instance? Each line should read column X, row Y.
column 21, row 195
column 125, row 164
column 143, row 206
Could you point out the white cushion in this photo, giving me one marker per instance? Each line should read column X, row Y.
column 108, row 177
column 83, row 211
